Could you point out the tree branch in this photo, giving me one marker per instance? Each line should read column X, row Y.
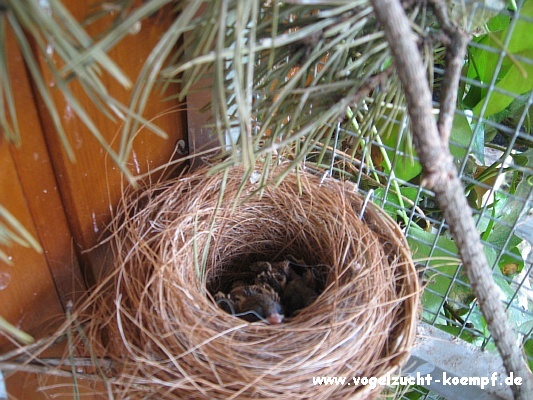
column 441, row 176
column 456, row 41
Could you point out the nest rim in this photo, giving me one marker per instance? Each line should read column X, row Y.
column 159, row 309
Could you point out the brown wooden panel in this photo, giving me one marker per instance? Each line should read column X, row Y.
column 33, row 386
column 66, row 205
column 92, row 185
column 201, row 137
column 29, row 191
column 36, row 177
column 40, row 387
column 38, row 285
column 28, row 298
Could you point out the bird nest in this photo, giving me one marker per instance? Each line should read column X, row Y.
column 179, row 243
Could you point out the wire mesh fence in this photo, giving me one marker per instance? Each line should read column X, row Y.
column 492, row 144
column 313, row 81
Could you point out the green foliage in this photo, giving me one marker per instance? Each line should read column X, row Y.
column 416, row 393
column 448, row 293
column 401, row 157
column 392, row 204
column 509, row 72
column 393, row 134
column 446, row 280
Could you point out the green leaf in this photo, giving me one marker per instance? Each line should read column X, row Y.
column 404, row 165
column 521, row 35
column 483, row 63
column 405, row 168
column 461, row 333
column 513, row 76
column 446, row 280
column 511, row 262
column 518, row 313
column 461, row 136
column 511, row 208
column 392, row 205
column 528, row 350
column 498, row 23
column 512, row 81
column 415, row 393
column 427, row 244
column 517, row 302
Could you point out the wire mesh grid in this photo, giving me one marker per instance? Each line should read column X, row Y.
column 422, row 394
column 492, row 144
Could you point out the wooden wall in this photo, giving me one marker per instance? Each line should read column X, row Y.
column 66, row 205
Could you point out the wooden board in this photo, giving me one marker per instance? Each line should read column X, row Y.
column 66, row 205
column 92, row 185
column 39, row 284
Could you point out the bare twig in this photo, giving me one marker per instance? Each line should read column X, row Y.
column 456, row 41
column 441, row 176
column 44, row 370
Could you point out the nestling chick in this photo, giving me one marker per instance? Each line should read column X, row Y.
column 225, row 303
column 311, row 273
column 299, row 292
column 255, row 302
column 272, row 274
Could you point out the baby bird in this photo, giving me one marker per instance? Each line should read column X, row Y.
column 299, row 292
column 274, row 274
column 225, row 303
column 253, row 303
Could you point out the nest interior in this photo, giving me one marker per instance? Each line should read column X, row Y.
column 178, row 242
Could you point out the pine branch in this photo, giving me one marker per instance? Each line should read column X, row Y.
column 441, row 176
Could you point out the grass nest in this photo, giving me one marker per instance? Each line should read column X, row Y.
column 176, row 243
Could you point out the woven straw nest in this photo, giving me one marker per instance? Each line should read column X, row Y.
column 179, row 241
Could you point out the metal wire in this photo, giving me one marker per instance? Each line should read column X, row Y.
column 493, row 151
column 452, row 307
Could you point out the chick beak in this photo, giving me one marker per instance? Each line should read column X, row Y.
column 275, row 319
